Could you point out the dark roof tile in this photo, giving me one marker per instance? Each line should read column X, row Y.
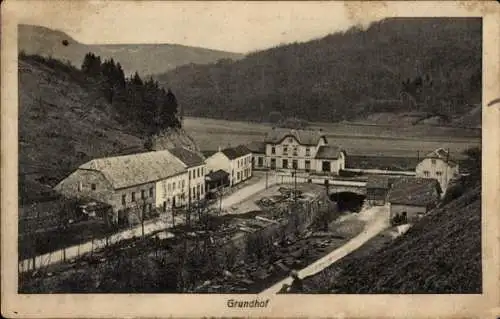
column 189, row 158
column 235, row 152
column 414, row 191
column 328, row 152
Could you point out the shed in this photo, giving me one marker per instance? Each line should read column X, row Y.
column 412, row 197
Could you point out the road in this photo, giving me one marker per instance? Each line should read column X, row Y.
column 162, row 223
column 376, row 221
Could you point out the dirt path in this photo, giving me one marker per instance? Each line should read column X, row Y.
column 377, row 220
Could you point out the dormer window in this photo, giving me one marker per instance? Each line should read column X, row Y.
column 308, row 151
column 273, row 150
column 290, row 140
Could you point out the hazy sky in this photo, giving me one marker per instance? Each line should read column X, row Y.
column 231, row 26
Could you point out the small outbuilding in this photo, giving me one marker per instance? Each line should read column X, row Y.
column 410, row 198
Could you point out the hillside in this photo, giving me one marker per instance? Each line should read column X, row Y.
column 143, row 58
column 450, row 240
column 64, row 122
column 435, row 62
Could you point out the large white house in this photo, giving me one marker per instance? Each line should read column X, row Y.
column 236, row 161
column 438, row 165
column 303, row 150
column 195, row 165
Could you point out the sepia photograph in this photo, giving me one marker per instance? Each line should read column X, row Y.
column 303, row 153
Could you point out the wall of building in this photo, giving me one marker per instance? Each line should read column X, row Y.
column 413, row 213
column 301, row 155
column 218, row 161
column 335, row 164
column 438, row 169
column 376, row 196
column 196, row 178
column 175, row 187
column 241, row 169
column 79, row 185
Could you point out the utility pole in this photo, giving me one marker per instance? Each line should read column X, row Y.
column 220, row 200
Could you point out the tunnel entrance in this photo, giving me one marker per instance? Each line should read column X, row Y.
column 348, row 201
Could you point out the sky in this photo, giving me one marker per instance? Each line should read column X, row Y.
column 231, row 26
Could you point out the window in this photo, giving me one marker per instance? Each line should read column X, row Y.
column 198, row 172
column 93, row 186
column 273, row 163
column 426, row 173
column 326, row 166
column 150, row 207
column 173, row 186
column 232, row 173
column 273, row 150
column 433, row 161
column 179, row 186
column 439, row 173
column 190, row 175
column 290, row 140
column 295, row 164
column 260, row 161
column 307, row 165
column 124, row 199
column 285, row 163
column 238, row 175
column 295, row 153
column 151, row 192
column 133, row 196
column 183, row 184
column 285, row 150
column 308, row 151
column 168, row 187
column 143, row 194
column 164, row 206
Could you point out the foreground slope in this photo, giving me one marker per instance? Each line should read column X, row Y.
column 143, row 58
column 440, row 254
column 345, row 75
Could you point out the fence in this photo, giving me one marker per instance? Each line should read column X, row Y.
column 94, row 244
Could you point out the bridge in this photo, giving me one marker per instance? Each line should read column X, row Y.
column 335, row 184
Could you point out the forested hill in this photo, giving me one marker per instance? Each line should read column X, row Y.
column 143, row 58
column 68, row 116
column 435, row 62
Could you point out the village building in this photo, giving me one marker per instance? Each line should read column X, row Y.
column 134, row 185
column 303, row 150
column 258, row 150
column 236, row 161
column 215, row 181
column 196, row 168
column 377, row 188
column 438, row 165
column 410, row 198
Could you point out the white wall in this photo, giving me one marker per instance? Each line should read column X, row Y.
column 439, row 165
column 241, row 165
column 197, row 181
column 172, row 187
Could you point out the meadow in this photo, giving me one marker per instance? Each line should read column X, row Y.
column 360, row 140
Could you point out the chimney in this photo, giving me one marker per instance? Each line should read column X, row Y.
column 219, row 148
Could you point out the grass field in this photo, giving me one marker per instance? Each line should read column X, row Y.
column 367, row 140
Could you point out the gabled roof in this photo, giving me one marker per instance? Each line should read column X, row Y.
column 441, row 154
column 303, row 137
column 376, row 181
column 257, row 147
column 328, row 152
column 188, row 157
column 414, row 191
column 130, row 170
column 236, row 152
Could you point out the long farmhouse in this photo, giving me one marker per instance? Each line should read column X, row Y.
column 136, row 185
